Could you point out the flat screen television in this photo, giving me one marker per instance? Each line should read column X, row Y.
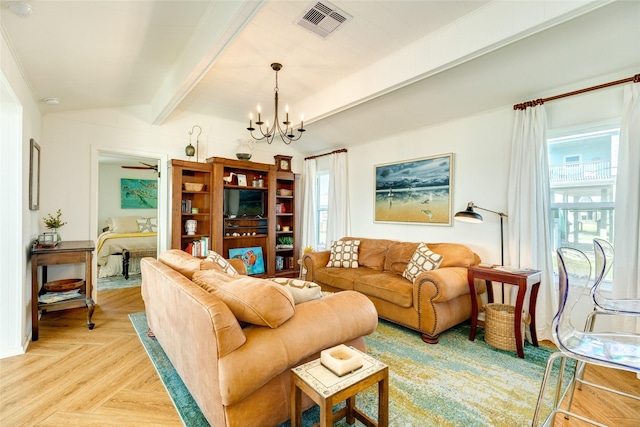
column 241, row 202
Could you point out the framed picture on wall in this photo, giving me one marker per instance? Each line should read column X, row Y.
column 417, row 191
column 34, row 176
column 138, row 193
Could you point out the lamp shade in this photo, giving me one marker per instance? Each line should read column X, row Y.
column 468, row 215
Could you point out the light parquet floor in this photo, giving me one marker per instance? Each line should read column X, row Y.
column 76, row 377
column 73, row 376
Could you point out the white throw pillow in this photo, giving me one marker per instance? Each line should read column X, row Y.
column 300, row 290
column 123, row 224
column 222, row 263
column 423, row 259
column 148, row 225
column 344, row 253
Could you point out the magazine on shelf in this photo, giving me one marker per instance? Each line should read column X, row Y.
column 50, row 297
column 515, row 270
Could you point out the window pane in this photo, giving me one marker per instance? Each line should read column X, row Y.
column 582, row 177
column 322, row 206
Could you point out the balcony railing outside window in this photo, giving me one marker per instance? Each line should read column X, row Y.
column 581, row 171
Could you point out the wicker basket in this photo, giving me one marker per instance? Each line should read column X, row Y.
column 498, row 328
column 285, row 192
column 193, row 186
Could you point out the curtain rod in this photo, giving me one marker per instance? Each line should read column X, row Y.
column 342, row 150
column 540, row 101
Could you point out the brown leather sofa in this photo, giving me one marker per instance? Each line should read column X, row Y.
column 436, row 301
column 240, row 376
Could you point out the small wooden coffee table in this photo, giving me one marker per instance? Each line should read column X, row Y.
column 327, row 389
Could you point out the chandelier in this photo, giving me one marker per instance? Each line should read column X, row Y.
column 269, row 133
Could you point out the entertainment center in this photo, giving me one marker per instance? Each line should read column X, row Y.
column 244, row 209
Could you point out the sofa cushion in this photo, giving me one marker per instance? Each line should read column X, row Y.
column 455, row 254
column 257, row 301
column 423, row 259
column 398, row 256
column 182, row 262
column 344, row 254
column 342, row 278
column 222, row 263
column 372, row 252
column 386, row 286
column 301, row 290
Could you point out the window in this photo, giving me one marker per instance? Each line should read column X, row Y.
column 582, row 178
column 322, row 182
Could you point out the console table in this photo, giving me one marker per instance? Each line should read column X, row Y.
column 66, row 252
column 530, row 278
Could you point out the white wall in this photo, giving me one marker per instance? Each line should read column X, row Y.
column 15, row 276
column 109, row 193
column 480, row 145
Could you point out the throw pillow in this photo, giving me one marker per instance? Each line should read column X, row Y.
column 344, row 253
column 219, row 260
column 209, row 280
column 123, row 224
column 300, row 290
column 423, row 259
column 148, row 225
column 257, row 301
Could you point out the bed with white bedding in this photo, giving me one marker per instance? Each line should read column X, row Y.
column 132, row 233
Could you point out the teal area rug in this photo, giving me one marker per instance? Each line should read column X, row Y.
column 119, row 282
column 454, row 383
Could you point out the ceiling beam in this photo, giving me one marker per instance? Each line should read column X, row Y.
column 219, row 26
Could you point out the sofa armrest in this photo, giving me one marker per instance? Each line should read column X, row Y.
column 444, row 284
column 311, row 261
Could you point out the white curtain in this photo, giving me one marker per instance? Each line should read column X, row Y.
column 338, row 224
column 529, row 240
column 626, row 267
column 309, row 209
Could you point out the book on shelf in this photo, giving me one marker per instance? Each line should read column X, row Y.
column 186, row 206
column 199, row 248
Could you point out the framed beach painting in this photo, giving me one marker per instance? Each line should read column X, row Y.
column 417, row 191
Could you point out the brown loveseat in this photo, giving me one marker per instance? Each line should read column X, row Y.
column 240, row 376
column 434, row 302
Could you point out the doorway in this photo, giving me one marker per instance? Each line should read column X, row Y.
column 112, row 169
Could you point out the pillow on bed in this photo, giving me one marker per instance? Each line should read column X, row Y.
column 123, row 224
column 148, row 225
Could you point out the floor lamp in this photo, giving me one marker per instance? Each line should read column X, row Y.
column 469, row 215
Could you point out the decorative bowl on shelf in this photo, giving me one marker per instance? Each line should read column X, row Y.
column 285, row 192
column 63, row 285
column 243, row 156
column 193, row 186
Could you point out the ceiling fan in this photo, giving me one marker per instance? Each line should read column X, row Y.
column 146, row 166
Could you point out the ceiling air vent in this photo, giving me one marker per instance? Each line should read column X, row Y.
column 323, row 19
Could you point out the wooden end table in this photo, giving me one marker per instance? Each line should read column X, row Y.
column 529, row 278
column 65, row 252
column 327, row 389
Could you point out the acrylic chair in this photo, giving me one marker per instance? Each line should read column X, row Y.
column 601, row 305
column 615, row 350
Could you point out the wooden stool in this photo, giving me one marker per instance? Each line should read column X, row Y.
column 127, row 254
column 327, row 389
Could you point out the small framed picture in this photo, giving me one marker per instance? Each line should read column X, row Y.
column 242, row 180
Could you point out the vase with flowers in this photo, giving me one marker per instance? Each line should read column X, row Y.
column 53, row 223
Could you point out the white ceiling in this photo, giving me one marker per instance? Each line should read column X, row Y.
column 212, row 57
